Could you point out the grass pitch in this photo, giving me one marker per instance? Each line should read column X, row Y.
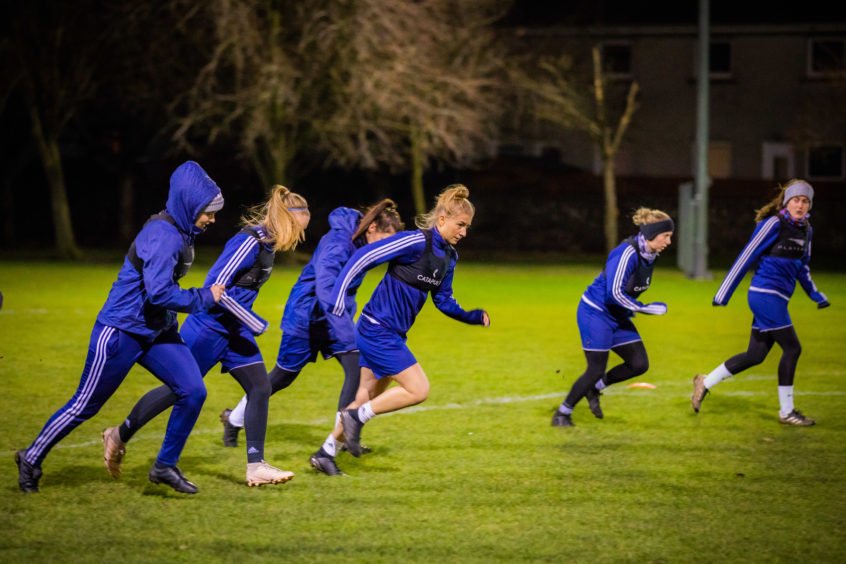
column 474, row 474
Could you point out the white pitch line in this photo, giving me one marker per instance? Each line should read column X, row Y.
column 475, row 403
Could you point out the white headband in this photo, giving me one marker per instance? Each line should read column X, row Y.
column 799, row 189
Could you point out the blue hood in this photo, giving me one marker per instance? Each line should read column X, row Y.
column 191, row 190
column 345, row 219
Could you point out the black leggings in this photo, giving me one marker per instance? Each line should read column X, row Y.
column 253, row 378
column 281, row 378
column 760, row 344
column 635, row 363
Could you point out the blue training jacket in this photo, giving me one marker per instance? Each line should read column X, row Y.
column 395, row 304
column 311, row 295
column 159, row 245
column 773, row 274
column 608, row 292
column 235, row 308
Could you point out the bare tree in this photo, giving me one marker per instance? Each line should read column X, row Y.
column 246, row 81
column 423, row 82
column 364, row 84
column 559, row 97
column 48, row 63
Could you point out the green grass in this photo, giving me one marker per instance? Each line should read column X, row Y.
column 476, row 473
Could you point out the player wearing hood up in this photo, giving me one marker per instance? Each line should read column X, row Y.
column 422, row 262
column 306, row 329
column 605, row 311
column 138, row 324
column 226, row 333
column 779, row 252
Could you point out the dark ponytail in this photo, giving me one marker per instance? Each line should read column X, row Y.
column 384, row 215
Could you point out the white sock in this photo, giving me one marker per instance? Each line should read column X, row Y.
column 785, row 399
column 600, row 385
column 717, row 375
column 365, row 413
column 564, row 408
column 237, row 416
column 337, row 418
column 330, row 445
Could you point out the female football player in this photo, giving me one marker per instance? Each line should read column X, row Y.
column 421, row 263
column 138, row 324
column 779, row 251
column 606, row 308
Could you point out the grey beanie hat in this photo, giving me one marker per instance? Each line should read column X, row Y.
column 215, row 205
column 800, row 188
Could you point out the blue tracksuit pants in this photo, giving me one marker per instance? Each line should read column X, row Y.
column 111, row 354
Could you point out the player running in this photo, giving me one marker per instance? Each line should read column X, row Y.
column 226, row 333
column 138, row 324
column 306, row 328
column 779, row 252
column 605, row 311
column 421, row 262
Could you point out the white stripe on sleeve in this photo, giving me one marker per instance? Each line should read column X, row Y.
column 617, row 285
column 235, row 260
column 253, row 322
column 740, row 266
column 369, row 258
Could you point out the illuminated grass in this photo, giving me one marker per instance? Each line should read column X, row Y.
column 475, row 474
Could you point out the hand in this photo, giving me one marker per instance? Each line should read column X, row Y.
column 217, row 291
column 823, row 304
column 486, row 320
column 657, row 308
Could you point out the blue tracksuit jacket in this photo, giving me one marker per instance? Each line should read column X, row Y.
column 772, row 274
column 128, row 306
column 395, row 304
column 311, row 295
column 612, row 291
column 235, row 308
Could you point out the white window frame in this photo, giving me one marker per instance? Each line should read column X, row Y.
column 770, row 151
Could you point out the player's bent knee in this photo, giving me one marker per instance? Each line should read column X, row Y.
column 640, row 366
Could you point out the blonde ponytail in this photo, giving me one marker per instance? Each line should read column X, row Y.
column 452, row 201
column 277, row 217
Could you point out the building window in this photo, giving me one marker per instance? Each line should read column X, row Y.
column 719, row 59
column 825, row 161
column 778, row 161
column 826, row 57
column 617, row 60
column 719, row 159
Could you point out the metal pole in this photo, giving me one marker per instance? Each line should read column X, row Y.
column 700, row 244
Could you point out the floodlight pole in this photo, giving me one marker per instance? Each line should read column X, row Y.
column 700, row 242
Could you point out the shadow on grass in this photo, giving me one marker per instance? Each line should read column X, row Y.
column 75, row 475
column 310, row 436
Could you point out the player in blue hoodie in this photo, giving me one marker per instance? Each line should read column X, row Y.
column 138, row 324
column 226, row 333
column 306, row 329
column 779, row 251
column 605, row 311
column 421, row 262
